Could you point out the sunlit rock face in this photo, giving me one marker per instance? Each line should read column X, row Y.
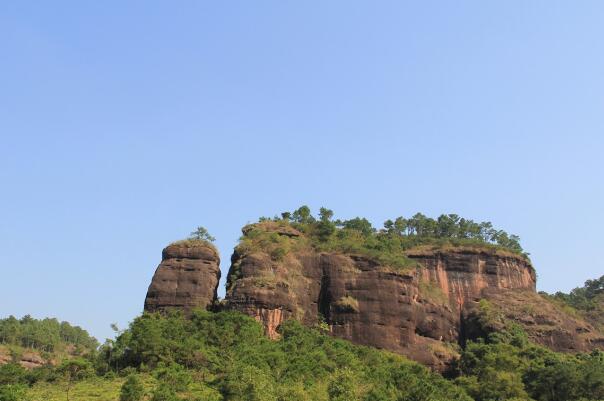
column 416, row 312
column 186, row 278
column 424, row 312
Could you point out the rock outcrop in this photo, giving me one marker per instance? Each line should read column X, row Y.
column 544, row 322
column 29, row 359
column 424, row 311
column 418, row 312
column 186, row 278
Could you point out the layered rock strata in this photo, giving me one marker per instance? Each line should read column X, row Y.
column 186, row 278
column 425, row 311
column 419, row 311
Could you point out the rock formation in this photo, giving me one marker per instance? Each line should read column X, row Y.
column 186, row 278
column 29, row 359
column 424, row 311
column 418, row 312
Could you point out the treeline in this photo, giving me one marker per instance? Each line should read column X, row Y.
column 47, row 335
column 233, row 360
column 416, row 229
column 452, row 226
column 587, row 300
column 226, row 357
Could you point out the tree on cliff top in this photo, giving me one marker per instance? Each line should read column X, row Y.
column 202, row 233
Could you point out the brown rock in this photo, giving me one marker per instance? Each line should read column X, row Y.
column 423, row 312
column 186, row 278
column 5, row 356
column 545, row 322
column 31, row 360
column 415, row 312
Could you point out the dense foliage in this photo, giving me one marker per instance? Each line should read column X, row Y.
column 227, row 355
column 47, row 335
column 506, row 366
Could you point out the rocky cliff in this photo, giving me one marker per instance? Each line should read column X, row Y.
column 186, row 278
column 424, row 311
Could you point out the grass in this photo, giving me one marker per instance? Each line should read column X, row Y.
column 265, row 237
column 347, row 304
column 108, row 389
column 96, row 389
column 193, row 242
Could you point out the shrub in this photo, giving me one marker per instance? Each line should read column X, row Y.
column 347, row 304
column 13, row 392
column 163, row 392
column 132, row 389
column 175, row 376
column 12, row 373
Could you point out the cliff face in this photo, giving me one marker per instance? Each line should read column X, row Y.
column 186, row 278
column 424, row 311
column 420, row 312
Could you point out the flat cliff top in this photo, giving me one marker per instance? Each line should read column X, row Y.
column 190, row 249
column 279, row 237
column 482, row 249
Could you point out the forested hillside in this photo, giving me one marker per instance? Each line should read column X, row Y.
column 48, row 335
column 225, row 356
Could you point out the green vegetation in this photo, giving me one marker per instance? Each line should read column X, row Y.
column 503, row 364
column 506, row 366
column 229, row 355
column 132, row 389
column 387, row 246
column 47, row 335
column 226, row 357
column 587, row 301
column 74, row 370
column 201, row 233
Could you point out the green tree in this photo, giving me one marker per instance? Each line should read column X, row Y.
column 74, row 370
column 202, row 233
column 132, row 389
column 302, row 215
column 175, row 376
column 12, row 373
column 342, row 386
column 249, row 383
column 359, row 224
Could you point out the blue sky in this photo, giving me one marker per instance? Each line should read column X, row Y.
column 124, row 125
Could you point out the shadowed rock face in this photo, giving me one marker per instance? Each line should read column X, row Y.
column 186, row 278
column 419, row 312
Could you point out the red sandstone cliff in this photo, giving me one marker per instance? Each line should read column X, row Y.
column 186, row 278
column 424, row 311
column 418, row 312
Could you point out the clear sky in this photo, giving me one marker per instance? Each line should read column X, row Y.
column 124, row 125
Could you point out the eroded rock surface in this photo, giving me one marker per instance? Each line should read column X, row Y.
column 425, row 311
column 544, row 322
column 417, row 312
column 186, row 278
